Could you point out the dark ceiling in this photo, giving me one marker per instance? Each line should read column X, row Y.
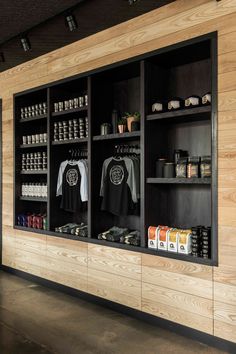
column 44, row 23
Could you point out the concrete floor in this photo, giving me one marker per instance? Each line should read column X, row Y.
column 31, row 314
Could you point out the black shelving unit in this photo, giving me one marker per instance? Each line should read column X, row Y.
column 181, row 70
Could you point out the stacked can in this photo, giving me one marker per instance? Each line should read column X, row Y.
column 36, row 221
column 196, row 241
column 34, row 161
column 34, row 190
column 73, row 103
column 206, row 242
column 201, row 241
column 34, row 139
column 72, row 129
column 33, row 111
column 86, row 127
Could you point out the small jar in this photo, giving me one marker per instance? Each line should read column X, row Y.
column 205, row 166
column 193, row 167
column 181, row 167
column 169, row 170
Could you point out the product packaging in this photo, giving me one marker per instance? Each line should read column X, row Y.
column 152, row 237
column 172, row 236
column 184, row 242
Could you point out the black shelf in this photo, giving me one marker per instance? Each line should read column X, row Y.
column 117, row 136
column 30, row 146
column 131, row 86
column 179, row 180
column 70, row 111
column 34, row 199
column 43, row 116
column 195, row 113
column 34, row 172
column 73, row 141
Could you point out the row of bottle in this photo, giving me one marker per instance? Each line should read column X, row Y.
column 39, row 190
column 34, row 161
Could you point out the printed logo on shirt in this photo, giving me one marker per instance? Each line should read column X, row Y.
column 72, row 177
column 117, row 174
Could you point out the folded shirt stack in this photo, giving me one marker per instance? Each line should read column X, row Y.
column 73, row 229
column 113, row 234
column 122, row 235
column 133, row 238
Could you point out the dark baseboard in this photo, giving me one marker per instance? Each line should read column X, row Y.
column 202, row 337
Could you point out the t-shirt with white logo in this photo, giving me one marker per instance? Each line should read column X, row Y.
column 119, row 186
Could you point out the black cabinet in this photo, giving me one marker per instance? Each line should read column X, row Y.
column 179, row 71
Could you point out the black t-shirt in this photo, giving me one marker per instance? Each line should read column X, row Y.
column 117, row 197
column 71, row 199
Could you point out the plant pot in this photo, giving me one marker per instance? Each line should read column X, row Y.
column 121, row 128
column 129, row 122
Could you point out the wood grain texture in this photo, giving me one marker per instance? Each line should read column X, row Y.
column 115, row 288
column 225, row 331
column 180, row 282
column 173, row 314
column 226, row 63
column 177, row 266
column 225, row 293
column 115, row 261
column 225, row 313
column 68, row 251
column 226, row 80
column 177, row 299
column 225, row 274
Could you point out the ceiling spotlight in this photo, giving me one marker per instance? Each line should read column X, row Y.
column 25, row 43
column 71, row 22
column 2, row 58
column 132, row 1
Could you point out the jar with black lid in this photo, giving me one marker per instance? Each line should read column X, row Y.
column 193, row 167
column 205, row 166
column 181, row 167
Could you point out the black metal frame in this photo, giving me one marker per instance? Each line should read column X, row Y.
column 182, row 330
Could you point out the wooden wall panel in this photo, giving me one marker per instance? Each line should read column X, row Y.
column 115, row 261
column 115, row 288
column 190, row 278
column 119, row 275
column 188, row 310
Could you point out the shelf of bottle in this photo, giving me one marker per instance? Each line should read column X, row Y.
column 71, row 141
column 179, row 180
column 70, row 111
column 195, row 113
column 30, row 146
column 34, row 199
column 25, row 120
column 33, row 172
column 128, row 135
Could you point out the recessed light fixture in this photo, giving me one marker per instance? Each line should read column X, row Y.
column 132, row 1
column 25, row 43
column 71, row 22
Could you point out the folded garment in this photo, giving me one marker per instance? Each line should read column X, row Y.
column 65, row 228
column 133, row 238
column 69, row 228
column 113, row 234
